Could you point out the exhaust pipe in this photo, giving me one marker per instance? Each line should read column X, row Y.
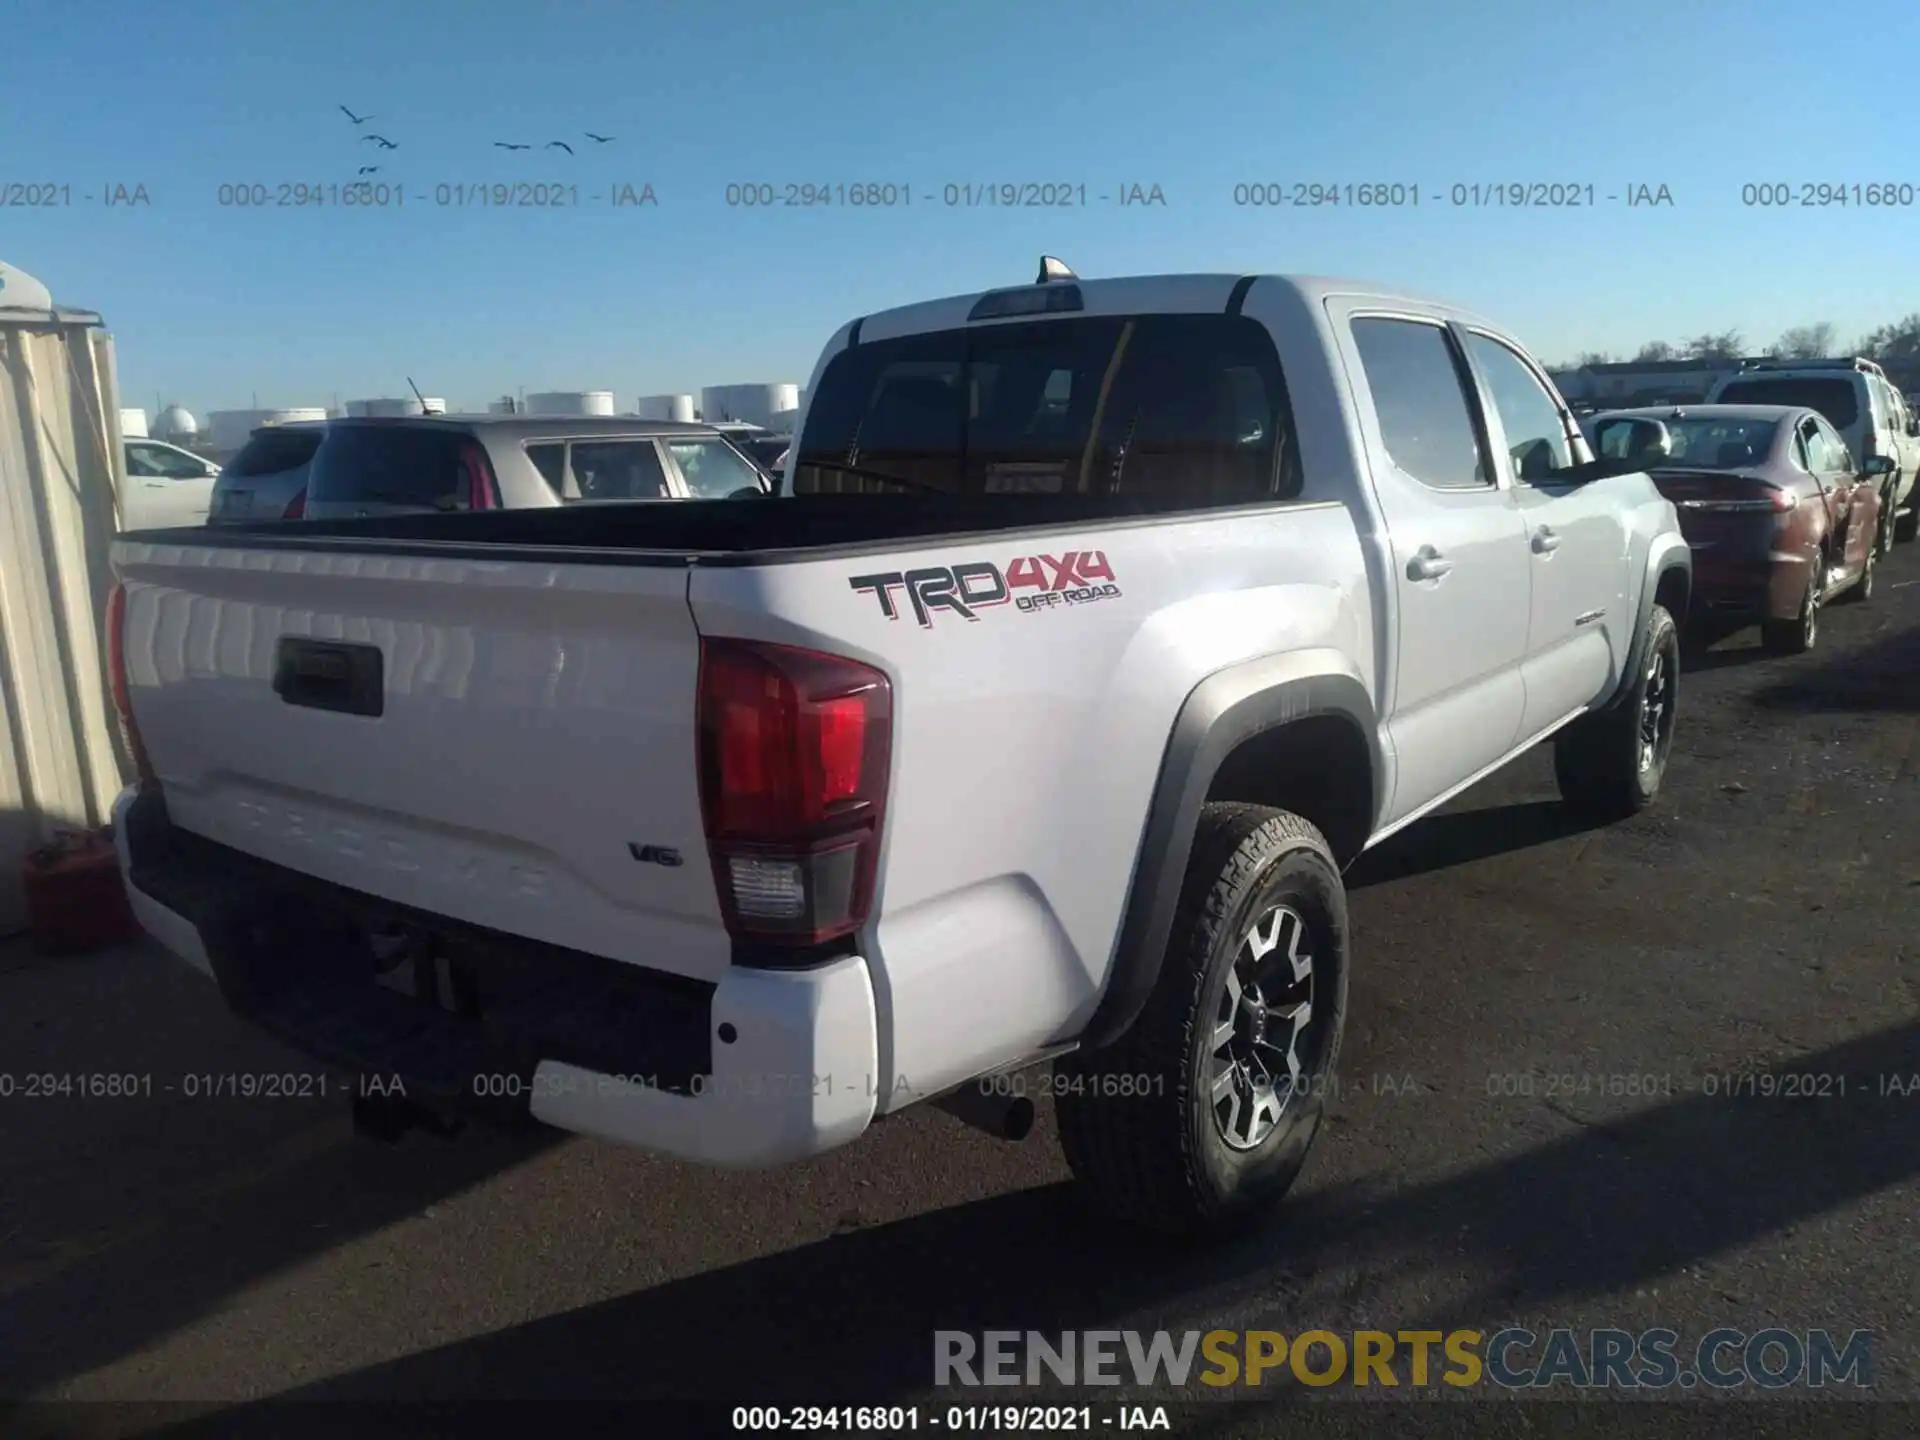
column 1005, row 1117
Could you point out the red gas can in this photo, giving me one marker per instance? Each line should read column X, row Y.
column 75, row 898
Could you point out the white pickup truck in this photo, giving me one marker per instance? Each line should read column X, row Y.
column 1099, row 625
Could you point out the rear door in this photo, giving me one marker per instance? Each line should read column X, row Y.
column 1849, row 496
column 1459, row 547
column 1578, row 629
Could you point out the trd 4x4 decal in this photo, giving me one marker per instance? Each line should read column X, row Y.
column 1076, row 578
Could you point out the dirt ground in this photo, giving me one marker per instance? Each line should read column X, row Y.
column 1761, row 919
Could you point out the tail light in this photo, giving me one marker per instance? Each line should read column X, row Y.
column 296, row 508
column 794, row 752
column 479, row 478
column 1870, row 446
column 1734, row 496
column 117, row 682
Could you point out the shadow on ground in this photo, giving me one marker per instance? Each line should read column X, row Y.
column 1605, row 1209
column 1461, row 837
column 1883, row 676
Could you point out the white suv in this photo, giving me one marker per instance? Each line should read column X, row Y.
column 1858, row 401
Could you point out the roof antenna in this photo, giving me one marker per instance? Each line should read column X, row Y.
column 1053, row 269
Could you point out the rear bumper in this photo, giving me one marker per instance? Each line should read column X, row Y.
column 1754, row 580
column 763, row 1068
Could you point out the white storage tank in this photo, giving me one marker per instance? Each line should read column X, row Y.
column 753, row 404
column 571, row 402
column 133, row 424
column 363, row 409
column 433, row 405
column 665, row 407
column 230, row 429
column 505, row 405
column 176, row 423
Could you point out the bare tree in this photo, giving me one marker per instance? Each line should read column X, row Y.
column 1654, row 352
column 1724, row 346
column 1898, row 341
column 1804, row 342
column 1591, row 357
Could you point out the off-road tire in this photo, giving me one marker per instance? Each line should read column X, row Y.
column 1135, row 1122
column 1600, row 760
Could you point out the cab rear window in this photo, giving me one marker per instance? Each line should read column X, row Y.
column 1188, row 409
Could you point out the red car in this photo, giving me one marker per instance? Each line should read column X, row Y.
column 1779, row 519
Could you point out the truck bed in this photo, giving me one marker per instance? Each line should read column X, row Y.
column 686, row 532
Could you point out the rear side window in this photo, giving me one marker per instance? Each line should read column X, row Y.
column 1419, row 384
column 551, row 462
column 272, row 452
column 1835, row 399
column 422, row 466
column 619, row 470
column 1190, row 410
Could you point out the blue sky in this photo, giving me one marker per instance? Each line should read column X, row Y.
column 214, row 304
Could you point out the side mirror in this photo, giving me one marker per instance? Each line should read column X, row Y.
column 1913, row 425
column 1879, row 465
column 747, row 492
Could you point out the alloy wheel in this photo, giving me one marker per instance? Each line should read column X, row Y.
column 1656, row 710
column 1810, row 610
column 1264, row 1043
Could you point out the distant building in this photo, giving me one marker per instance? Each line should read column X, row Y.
column 1642, row 382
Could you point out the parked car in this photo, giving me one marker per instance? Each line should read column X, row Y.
column 400, row 464
column 167, row 486
column 1858, row 401
column 1779, row 520
column 725, row 830
column 267, row 478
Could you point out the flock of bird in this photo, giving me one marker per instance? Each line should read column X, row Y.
column 385, row 144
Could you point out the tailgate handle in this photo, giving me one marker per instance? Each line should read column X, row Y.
column 327, row 675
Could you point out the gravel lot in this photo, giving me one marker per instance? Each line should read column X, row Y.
column 1762, row 917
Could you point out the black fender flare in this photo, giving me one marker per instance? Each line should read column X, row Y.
column 1228, row 707
column 1677, row 556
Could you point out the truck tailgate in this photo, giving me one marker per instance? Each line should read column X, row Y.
column 535, row 732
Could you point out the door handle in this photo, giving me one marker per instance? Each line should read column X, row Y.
column 1545, row 542
column 1428, row 564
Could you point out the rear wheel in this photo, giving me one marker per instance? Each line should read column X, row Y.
column 1802, row 633
column 1861, row 590
column 1202, row 1114
column 1610, row 764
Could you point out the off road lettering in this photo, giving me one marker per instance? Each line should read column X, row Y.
column 1050, row 581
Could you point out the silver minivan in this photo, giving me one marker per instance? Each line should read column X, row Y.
column 416, row 463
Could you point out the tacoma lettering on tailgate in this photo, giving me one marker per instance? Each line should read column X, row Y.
column 1078, row 577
